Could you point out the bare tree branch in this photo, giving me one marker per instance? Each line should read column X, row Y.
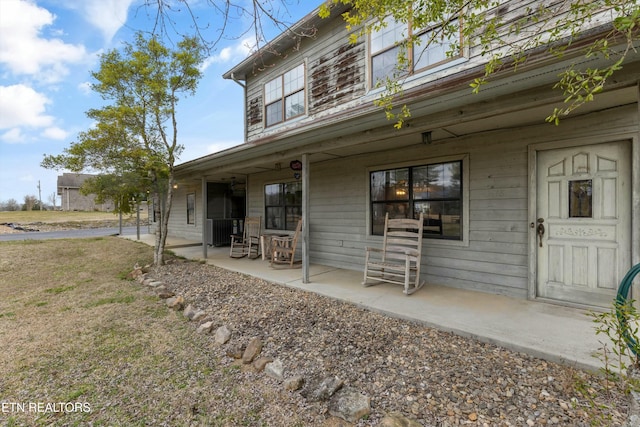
column 226, row 20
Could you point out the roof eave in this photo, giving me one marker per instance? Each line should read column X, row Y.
column 282, row 42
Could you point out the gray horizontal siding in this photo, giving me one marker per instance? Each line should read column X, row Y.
column 178, row 226
column 495, row 258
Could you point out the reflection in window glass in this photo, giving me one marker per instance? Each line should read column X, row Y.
column 284, row 96
column 191, row 208
column 437, row 181
column 434, row 190
column 273, row 90
column 440, row 217
column 294, row 105
column 293, row 214
column 274, row 218
column 429, row 50
column 283, row 205
column 427, row 54
column 272, row 194
column 385, row 65
column 274, row 113
column 451, row 180
column 294, row 80
column 580, row 199
column 388, row 36
column 396, row 210
column 293, row 193
column 390, row 185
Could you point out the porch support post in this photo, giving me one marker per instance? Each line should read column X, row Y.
column 305, row 218
column 635, row 204
column 204, row 217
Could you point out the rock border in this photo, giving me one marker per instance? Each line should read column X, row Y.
column 346, row 403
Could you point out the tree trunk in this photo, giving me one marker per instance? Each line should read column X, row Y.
column 157, row 213
column 163, row 229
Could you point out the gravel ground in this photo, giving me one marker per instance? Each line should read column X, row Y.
column 433, row 377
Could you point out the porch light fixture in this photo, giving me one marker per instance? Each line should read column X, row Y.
column 426, row 137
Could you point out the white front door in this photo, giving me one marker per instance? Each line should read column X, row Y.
column 583, row 222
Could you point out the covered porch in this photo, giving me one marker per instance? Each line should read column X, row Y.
column 552, row 332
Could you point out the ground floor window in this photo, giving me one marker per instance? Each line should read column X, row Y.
column 283, row 205
column 191, row 208
column 435, row 190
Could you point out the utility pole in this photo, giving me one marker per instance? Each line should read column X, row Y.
column 40, row 195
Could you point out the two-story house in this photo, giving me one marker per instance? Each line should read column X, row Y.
column 485, row 168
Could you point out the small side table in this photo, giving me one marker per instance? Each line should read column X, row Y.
column 265, row 244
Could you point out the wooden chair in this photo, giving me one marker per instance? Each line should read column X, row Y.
column 398, row 261
column 283, row 248
column 247, row 244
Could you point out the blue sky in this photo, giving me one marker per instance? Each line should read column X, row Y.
column 48, row 49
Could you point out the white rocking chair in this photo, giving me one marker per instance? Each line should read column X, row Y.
column 398, row 261
column 247, row 244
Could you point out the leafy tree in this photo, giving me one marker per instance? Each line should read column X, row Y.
column 30, row 203
column 134, row 143
column 552, row 27
column 125, row 188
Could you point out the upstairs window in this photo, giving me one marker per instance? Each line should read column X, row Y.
column 284, row 96
column 386, row 44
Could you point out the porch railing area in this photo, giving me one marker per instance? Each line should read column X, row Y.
column 219, row 231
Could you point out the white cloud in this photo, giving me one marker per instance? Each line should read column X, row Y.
column 203, row 146
column 13, row 136
column 107, row 15
column 218, row 146
column 85, row 88
column 20, row 105
column 234, row 53
column 22, row 48
column 55, row 133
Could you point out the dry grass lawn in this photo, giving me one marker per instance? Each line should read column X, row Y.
column 58, row 220
column 24, row 217
column 53, row 217
column 81, row 345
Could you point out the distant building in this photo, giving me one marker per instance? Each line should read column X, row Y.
column 72, row 200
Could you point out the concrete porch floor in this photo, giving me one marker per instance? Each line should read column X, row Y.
column 548, row 331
